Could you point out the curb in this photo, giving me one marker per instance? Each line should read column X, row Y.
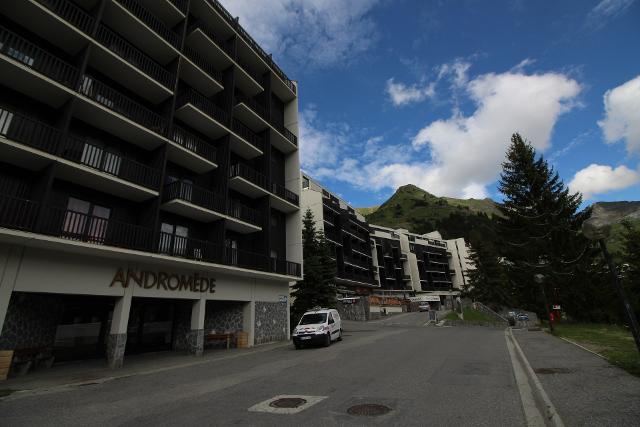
column 542, row 399
column 582, row 347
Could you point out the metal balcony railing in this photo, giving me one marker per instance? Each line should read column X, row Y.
column 244, row 213
column 204, row 104
column 251, row 42
column 33, row 133
column 284, row 193
column 31, row 56
column 279, row 126
column 254, row 105
column 151, row 21
column 115, row 101
column 222, row 44
column 105, row 160
column 18, row 214
column 71, row 13
column 72, row 225
column 181, row 5
column 251, row 175
column 193, row 143
column 134, row 56
column 249, row 70
column 197, row 59
column 187, row 247
column 247, row 134
column 193, row 194
column 288, row 268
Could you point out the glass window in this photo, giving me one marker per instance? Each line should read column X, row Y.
column 5, row 121
column 305, row 182
column 313, row 318
column 84, row 220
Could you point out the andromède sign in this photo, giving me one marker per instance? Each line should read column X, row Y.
column 168, row 281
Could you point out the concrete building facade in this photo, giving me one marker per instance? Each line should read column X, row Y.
column 150, row 179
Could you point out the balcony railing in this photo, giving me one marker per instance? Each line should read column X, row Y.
column 81, row 151
column 251, row 175
column 251, row 42
column 72, row 225
column 247, row 134
column 249, row 70
column 29, row 55
column 22, row 214
column 197, row 59
column 151, row 21
column 252, row 104
column 134, row 56
column 194, row 143
column 18, row 214
column 222, row 44
column 33, row 133
column 279, row 126
column 181, row 5
column 204, row 104
column 284, row 193
column 71, row 13
column 115, row 101
column 364, row 277
column 244, row 213
column 193, row 194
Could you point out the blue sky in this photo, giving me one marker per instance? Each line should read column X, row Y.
column 429, row 92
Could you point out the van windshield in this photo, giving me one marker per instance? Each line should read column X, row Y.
column 314, row 318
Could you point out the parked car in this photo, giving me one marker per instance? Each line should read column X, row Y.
column 523, row 317
column 424, row 306
column 321, row 326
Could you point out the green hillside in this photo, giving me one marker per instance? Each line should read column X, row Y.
column 421, row 212
column 367, row 211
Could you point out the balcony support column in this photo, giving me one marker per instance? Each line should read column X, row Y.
column 10, row 262
column 117, row 339
column 195, row 337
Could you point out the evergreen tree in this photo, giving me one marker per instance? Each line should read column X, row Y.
column 631, row 264
column 539, row 230
column 487, row 282
column 318, row 285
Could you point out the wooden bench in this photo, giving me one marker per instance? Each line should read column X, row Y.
column 228, row 336
column 5, row 363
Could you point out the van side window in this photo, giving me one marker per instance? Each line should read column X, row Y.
column 331, row 318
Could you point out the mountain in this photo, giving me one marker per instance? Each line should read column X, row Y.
column 616, row 212
column 418, row 211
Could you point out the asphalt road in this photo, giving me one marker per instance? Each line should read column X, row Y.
column 426, row 375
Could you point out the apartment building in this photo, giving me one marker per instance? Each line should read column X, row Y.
column 149, row 176
column 382, row 261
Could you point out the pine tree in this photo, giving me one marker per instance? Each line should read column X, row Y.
column 487, row 281
column 318, row 285
column 631, row 264
column 539, row 230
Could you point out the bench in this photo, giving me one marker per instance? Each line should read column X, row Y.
column 228, row 336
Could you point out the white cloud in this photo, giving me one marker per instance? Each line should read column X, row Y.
column 622, row 115
column 318, row 33
column 457, row 156
column 457, row 70
column 402, row 94
column 606, row 11
column 599, row 179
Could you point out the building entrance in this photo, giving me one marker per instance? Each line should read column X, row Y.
column 150, row 325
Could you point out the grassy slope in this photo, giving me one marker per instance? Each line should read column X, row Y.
column 615, row 343
column 367, row 211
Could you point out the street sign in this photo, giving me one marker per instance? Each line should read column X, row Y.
column 556, row 307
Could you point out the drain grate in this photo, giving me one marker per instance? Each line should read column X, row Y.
column 288, row 402
column 548, row 371
column 369, row 410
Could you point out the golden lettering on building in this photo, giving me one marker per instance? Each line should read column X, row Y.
column 148, row 279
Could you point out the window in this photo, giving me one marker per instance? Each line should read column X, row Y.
column 97, row 157
column 232, row 250
column 86, row 221
column 305, row 182
column 173, row 239
column 5, row 121
column 20, row 56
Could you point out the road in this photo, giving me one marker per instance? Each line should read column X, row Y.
column 425, row 375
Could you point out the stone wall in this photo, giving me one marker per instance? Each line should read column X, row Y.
column 221, row 316
column 271, row 322
column 31, row 321
column 358, row 310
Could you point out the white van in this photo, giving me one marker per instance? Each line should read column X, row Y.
column 321, row 326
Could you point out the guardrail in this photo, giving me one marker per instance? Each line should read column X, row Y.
column 151, row 21
column 193, row 143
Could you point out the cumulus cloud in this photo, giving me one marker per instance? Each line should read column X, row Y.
column 622, row 115
column 401, row 94
column 460, row 155
column 605, row 12
column 317, row 33
column 599, row 179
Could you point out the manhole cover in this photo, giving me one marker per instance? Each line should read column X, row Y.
column 288, row 402
column 547, row 371
column 369, row 409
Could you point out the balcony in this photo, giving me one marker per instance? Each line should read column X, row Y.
column 136, row 23
column 34, row 71
column 199, row 73
column 282, row 138
column 132, row 121
column 244, row 141
column 18, row 131
column 286, row 200
column 202, row 114
column 191, row 151
column 206, row 206
column 171, row 12
column 134, row 68
column 108, row 170
column 22, row 215
column 248, row 181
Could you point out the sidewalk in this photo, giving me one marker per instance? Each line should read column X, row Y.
column 585, row 389
column 96, row 371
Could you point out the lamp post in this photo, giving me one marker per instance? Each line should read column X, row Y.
column 539, row 279
column 597, row 229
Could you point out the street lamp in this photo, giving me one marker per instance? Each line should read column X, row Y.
column 539, row 279
column 597, row 229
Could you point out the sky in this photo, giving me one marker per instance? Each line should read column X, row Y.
column 395, row 92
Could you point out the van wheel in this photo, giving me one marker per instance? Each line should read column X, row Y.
column 340, row 335
column 327, row 342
